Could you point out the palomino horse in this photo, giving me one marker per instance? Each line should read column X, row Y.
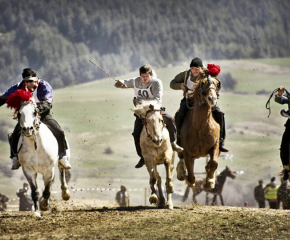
column 200, row 133
column 37, row 149
column 217, row 191
column 156, row 149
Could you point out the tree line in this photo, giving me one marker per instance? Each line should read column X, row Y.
column 57, row 38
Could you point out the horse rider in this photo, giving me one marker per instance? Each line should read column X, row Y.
column 187, row 80
column 43, row 95
column 148, row 87
column 282, row 98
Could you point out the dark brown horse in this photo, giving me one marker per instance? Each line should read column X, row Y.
column 200, row 133
column 217, row 191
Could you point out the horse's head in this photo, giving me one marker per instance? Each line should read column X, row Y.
column 153, row 120
column 23, row 103
column 229, row 173
column 207, row 89
column 27, row 118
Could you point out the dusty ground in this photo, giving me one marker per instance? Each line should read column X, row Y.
column 87, row 219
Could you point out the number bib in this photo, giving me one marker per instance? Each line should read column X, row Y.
column 143, row 93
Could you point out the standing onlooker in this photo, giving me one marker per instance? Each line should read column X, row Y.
column 260, row 194
column 283, row 195
column 122, row 197
column 271, row 193
column 25, row 200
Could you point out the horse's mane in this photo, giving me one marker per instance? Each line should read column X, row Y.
column 15, row 99
column 141, row 109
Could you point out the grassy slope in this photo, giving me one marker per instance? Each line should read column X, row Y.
column 96, row 115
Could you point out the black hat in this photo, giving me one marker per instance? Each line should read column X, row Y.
column 273, row 179
column 196, row 62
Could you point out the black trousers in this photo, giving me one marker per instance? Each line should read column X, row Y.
column 138, row 126
column 261, row 204
column 218, row 115
column 54, row 127
column 284, row 148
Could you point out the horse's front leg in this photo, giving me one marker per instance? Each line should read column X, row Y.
column 64, row 188
column 161, row 200
column 210, row 168
column 48, row 179
column 189, row 162
column 149, row 162
column 31, row 178
column 169, row 168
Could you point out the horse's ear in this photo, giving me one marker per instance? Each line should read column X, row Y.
column 151, row 107
column 227, row 167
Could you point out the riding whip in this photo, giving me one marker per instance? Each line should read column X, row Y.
column 268, row 102
column 103, row 70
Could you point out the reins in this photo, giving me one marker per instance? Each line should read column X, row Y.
column 268, row 102
column 145, row 123
column 203, row 92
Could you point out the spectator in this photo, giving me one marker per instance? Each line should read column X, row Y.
column 3, row 202
column 259, row 194
column 122, row 197
column 271, row 193
column 25, row 200
column 283, row 195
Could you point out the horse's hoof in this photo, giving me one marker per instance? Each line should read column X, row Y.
column 153, row 199
column 44, row 203
column 161, row 204
column 209, row 184
column 37, row 214
column 65, row 195
column 169, row 205
column 192, row 185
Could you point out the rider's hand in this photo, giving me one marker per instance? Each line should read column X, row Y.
column 120, row 84
column 136, row 101
column 183, row 87
column 281, row 91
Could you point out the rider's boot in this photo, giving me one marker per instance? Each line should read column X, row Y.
column 285, row 172
column 176, row 147
column 15, row 163
column 140, row 163
column 222, row 149
column 63, row 161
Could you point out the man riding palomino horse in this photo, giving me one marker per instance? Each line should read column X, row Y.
column 43, row 95
column 148, row 87
column 186, row 80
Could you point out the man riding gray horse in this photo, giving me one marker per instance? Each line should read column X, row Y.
column 43, row 95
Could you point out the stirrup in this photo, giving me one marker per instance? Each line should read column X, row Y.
column 140, row 163
column 176, row 147
column 63, row 162
column 15, row 163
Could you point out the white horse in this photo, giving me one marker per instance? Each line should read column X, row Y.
column 38, row 152
column 156, row 149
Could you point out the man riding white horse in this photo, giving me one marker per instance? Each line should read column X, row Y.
column 43, row 95
column 148, row 87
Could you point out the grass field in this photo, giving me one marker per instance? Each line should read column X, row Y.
column 97, row 116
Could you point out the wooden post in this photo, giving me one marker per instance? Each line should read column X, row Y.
column 145, row 196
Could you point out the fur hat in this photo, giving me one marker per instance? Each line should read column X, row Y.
column 196, row 62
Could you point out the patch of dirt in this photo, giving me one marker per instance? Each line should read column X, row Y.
column 83, row 220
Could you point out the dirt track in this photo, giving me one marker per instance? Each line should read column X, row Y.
column 78, row 220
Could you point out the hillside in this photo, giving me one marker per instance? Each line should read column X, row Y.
column 58, row 37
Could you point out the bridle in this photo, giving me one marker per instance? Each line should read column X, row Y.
column 35, row 128
column 145, row 122
column 210, row 84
